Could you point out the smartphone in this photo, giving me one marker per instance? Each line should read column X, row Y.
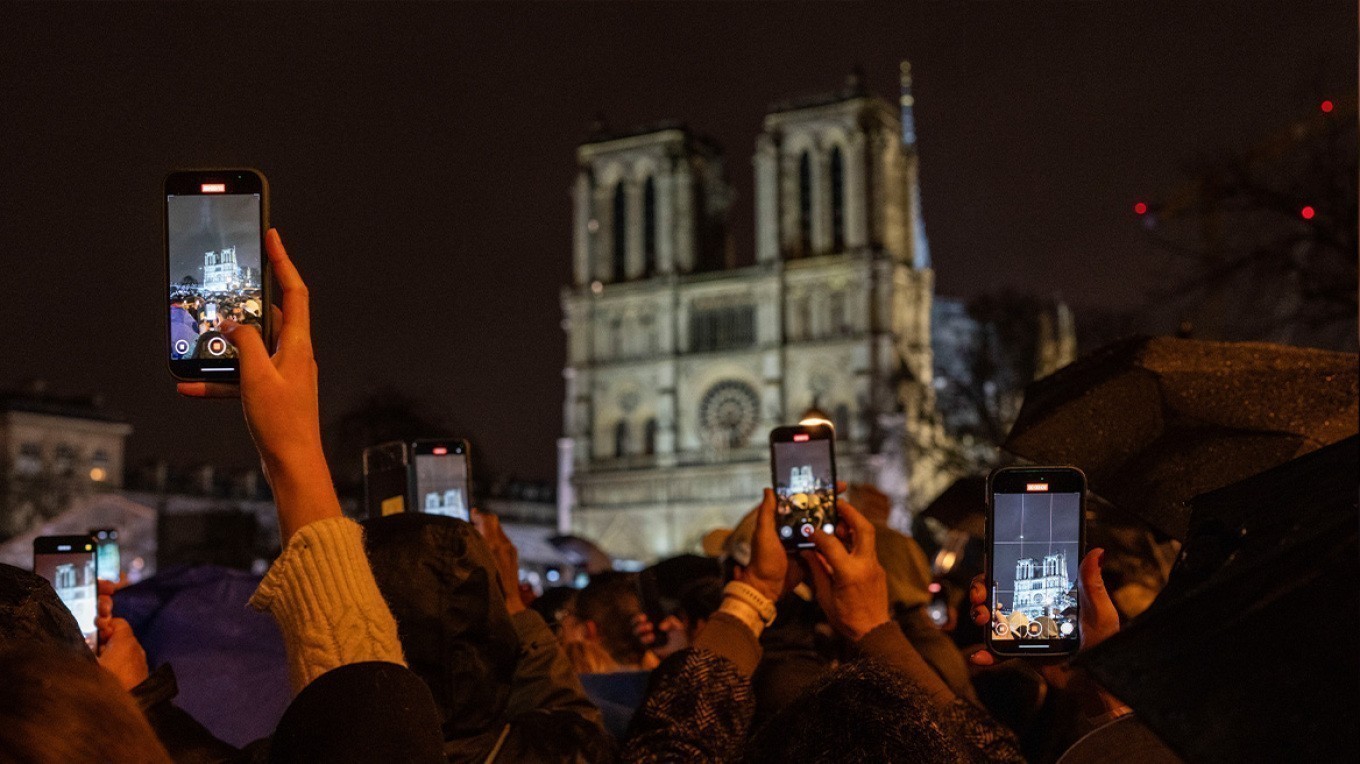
column 442, row 473
column 107, row 561
column 432, row 476
column 215, row 222
column 68, row 563
column 386, row 478
column 1036, row 533
column 803, row 467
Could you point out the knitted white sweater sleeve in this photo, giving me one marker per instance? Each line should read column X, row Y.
column 322, row 593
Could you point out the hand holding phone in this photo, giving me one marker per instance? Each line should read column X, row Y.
column 849, row 581
column 279, row 396
column 1036, row 532
column 215, row 223
column 68, row 563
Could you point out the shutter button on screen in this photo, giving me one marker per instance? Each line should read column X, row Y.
column 217, row 346
column 181, row 346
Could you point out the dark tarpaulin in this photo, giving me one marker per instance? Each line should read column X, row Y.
column 1248, row 652
column 229, row 659
column 1156, row 421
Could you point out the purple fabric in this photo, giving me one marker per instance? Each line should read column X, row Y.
column 228, row 659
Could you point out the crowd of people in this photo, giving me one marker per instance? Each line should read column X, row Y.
column 408, row 638
column 196, row 317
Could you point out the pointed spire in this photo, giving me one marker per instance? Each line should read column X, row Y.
column 908, row 104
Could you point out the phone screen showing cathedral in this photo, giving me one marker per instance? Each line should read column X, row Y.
column 442, row 485
column 805, row 491
column 72, row 575
column 215, row 271
column 1036, row 543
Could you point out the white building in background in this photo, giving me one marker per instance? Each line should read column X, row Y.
column 1042, row 586
column 220, row 271
column 680, row 363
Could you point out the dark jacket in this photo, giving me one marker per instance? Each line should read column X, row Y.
column 503, row 686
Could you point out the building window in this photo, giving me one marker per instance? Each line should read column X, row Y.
column 805, row 205
column 649, row 228
column 29, row 460
column 839, row 324
column 841, row 418
column 837, row 200
column 621, row 439
column 64, row 460
column 725, row 328
column 649, row 437
column 620, row 243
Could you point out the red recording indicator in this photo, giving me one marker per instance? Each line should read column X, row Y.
column 214, row 188
column 1036, row 486
column 440, row 450
column 801, row 437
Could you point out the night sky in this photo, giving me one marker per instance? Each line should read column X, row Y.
column 420, row 160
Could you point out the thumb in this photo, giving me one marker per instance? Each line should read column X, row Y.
column 249, row 346
column 1099, row 617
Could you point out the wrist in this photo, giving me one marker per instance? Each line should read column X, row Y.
column 860, row 628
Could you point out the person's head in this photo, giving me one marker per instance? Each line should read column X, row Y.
column 698, row 601
column 439, row 579
column 31, row 612
column 58, row 705
column 862, row 711
column 608, row 608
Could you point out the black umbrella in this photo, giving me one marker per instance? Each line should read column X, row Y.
column 962, row 506
column 1155, row 421
column 1248, row 653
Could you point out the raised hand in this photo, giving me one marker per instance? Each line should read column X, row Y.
column 850, row 584
column 279, row 396
column 505, row 554
column 769, row 563
column 119, row 651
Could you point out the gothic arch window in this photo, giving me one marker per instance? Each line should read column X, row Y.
column 837, row 199
column 620, row 240
column 805, row 205
column 649, row 227
column 649, row 437
column 621, row 445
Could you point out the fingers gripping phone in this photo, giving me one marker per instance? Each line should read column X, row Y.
column 68, row 563
column 803, row 467
column 432, row 476
column 215, row 222
column 1036, row 533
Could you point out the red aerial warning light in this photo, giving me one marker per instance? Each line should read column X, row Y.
column 1307, row 213
column 801, row 437
column 214, row 188
column 440, row 450
column 1327, row 107
column 1140, row 208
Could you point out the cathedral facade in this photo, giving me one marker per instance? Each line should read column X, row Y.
column 679, row 363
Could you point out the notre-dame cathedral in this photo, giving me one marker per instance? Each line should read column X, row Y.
column 679, row 363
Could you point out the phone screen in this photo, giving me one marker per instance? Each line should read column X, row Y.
column 441, row 486
column 214, row 242
column 106, row 543
column 1036, row 537
column 804, row 486
column 70, row 567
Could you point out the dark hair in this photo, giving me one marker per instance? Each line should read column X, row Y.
column 58, row 705
column 611, row 600
column 700, row 598
column 862, row 711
